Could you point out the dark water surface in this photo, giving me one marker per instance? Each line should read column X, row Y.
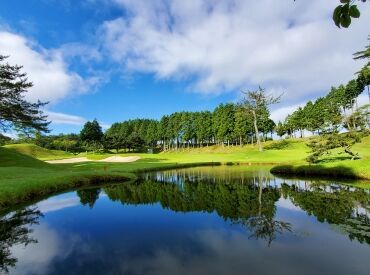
column 206, row 220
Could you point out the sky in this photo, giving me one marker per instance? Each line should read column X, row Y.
column 115, row 60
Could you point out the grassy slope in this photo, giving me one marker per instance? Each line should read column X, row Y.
column 23, row 177
column 39, row 152
column 335, row 164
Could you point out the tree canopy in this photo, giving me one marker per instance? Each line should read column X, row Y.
column 15, row 112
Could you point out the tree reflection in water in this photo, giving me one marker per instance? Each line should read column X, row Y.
column 88, row 196
column 344, row 207
column 264, row 226
column 248, row 201
column 15, row 230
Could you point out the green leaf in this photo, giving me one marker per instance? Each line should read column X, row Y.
column 345, row 20
column 345, row 9
column 336, row 15
column 354, row 12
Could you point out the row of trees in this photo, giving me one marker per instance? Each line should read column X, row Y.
column 330, row 113
column 227, row 124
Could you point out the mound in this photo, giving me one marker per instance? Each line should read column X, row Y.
column 38, row 152
column 12, row 158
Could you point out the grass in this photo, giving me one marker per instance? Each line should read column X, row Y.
column 23, row 176
column 336, row 165
column 39, row 152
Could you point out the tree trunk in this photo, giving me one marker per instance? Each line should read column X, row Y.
column 256, row 130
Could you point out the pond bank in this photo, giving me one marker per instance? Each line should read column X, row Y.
column 23, row 177
column 352, row 170
column 64, row 177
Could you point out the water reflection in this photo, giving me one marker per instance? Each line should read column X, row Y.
column 201, row 220
column 345, row 207
column 15, row 229
column 249, row 201
column 88, row 196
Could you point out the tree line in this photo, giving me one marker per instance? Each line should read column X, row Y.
column 337, row 109
column 229, row 124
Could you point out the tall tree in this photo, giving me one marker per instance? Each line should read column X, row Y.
column 15, row 111
column 364, row 74
column 92, row 133
column 243, row 123
column 255, row 103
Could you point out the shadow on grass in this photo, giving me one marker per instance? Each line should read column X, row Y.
column 339, row 171
column 331, row 159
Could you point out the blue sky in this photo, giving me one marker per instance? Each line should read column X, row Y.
column 119, row 59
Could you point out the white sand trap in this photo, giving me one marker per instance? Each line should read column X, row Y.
column 71, row 160
column 85, row 159
column 120, row 159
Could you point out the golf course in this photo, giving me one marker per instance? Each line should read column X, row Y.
column 26, row 174
column 155, row 137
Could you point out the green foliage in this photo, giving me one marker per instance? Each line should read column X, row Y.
column 16, row 229
column 280, row 129
column 88, row 196
column 228, row 123
column 4, row 140
column 15, row 112
column 343, row 13
column 256, row 104
column 324, row 144
column 132, row 134
column 65, row 142
column 223, row 121
column 91, row 132
column 243, row 124
column 92, row 136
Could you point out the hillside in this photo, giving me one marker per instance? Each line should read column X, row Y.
column 38, row 152
column 13, row 158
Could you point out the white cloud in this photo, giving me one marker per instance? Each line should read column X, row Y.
column 45, row 68
column 57, row 203
column 68, row 119
column 281, row 113
column 225, row 45
column 61, row 118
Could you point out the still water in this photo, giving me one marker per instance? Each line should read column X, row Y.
column 205, row 220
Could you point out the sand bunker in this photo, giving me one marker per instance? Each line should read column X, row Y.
column 84, row 159
column 120, row 159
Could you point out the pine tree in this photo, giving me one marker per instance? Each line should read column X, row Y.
column 15, row 112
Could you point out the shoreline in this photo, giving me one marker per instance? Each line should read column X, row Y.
column 86, row 179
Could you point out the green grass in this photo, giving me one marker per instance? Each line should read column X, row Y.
column 337, row 165
column 23, row 177
column 39, row 152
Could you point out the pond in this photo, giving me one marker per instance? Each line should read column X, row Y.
column 205, row 220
